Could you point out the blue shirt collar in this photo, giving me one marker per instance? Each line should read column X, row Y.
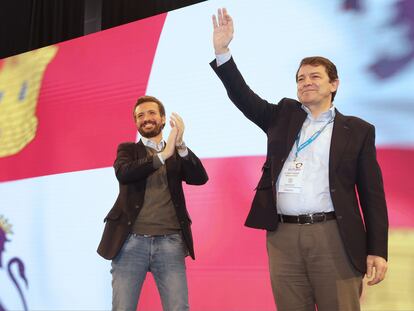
column 153, row 145
column 324, row 116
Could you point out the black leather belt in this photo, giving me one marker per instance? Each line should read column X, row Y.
column 306, row 219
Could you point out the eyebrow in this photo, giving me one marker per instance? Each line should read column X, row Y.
column 149, row 110
column 310, row 74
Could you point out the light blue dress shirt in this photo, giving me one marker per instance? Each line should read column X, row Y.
column 153, row 145
column 315, row 195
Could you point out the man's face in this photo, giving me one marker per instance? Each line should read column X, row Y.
column 148, row 119
column 313, row 86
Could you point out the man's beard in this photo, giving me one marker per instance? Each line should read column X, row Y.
column 154, row 132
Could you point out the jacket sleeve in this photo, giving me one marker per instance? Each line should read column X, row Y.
column 193, row 172
column 372, row 197
column 128, row 169
column 256, row 109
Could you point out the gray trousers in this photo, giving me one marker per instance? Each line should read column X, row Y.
column 309, row 266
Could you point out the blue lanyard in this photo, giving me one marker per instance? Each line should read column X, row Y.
column 310, row 140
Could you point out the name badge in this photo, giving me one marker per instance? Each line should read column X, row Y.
column 292, row 179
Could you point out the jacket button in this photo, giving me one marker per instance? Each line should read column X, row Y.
column 333, row 190
column 129, row 223
column 137, row 206
column 338, row 217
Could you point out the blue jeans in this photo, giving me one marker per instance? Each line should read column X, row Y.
column 161, row 255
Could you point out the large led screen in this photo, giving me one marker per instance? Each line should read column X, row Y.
column 65, row 108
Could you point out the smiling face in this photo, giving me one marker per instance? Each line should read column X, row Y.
column 149, row 120
column 314, row 87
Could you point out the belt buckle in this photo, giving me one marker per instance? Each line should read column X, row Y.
column 305, row 221
column 321, row 215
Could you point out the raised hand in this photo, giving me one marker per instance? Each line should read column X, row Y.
column 179, row 124
column 223, row 31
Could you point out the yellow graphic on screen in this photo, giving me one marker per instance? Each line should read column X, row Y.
column 20, row 81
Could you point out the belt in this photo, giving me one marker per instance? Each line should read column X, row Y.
column 153, row 235
column 306, row 219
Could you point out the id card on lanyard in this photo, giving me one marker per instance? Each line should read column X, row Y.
column 291, row 180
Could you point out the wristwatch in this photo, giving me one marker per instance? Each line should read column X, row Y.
column 182, row 146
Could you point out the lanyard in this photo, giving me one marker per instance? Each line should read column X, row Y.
column 310, row 140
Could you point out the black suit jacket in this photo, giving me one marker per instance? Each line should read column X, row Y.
column 352, row 168
column 132, row 167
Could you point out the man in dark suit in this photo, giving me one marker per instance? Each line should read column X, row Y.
column 148, row 228
column 318, row 244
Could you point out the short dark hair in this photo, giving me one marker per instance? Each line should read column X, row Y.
column 147, row 98
column 321, row 61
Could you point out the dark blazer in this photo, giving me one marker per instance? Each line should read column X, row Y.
column 352, row 168
column 132, row 167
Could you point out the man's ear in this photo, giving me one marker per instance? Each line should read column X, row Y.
column 163, row 122
column 334, row 85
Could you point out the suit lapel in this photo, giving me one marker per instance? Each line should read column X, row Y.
column 140, row 150
column 339, row 141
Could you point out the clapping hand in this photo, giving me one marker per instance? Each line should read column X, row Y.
column 176, row 136
column 179, row 124
column 171, row 141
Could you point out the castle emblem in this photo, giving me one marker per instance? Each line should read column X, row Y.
column 20, row 82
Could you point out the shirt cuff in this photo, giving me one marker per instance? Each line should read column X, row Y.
column 182, row 150
column 158, row 161
column 223, row 58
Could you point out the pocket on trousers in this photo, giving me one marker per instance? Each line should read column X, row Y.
column 175, row 238
column 176, row 242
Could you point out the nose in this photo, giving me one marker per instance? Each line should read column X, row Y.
column 146, row 116
column 307, row 81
